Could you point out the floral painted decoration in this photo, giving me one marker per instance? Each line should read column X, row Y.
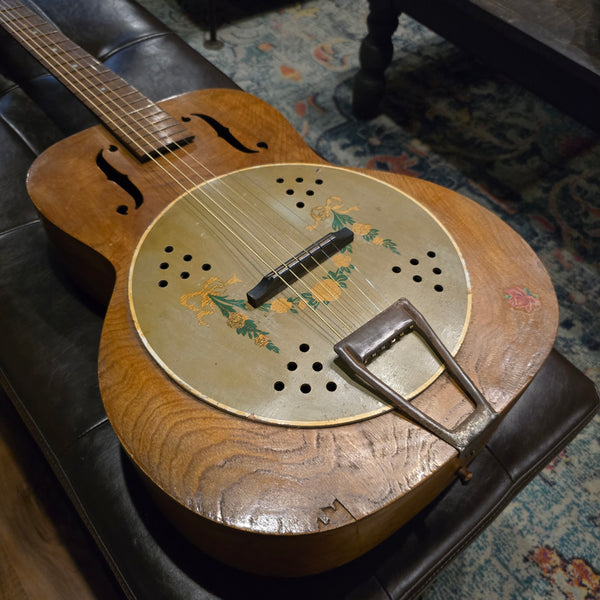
column 213, row 295
column 522, row 299
column 340, row 218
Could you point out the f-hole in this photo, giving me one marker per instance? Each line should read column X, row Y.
column 225, row 134
column 121, row 179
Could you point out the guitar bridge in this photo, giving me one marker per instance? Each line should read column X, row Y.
column 300, row 264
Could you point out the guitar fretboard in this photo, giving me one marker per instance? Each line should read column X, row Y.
column 143, row 127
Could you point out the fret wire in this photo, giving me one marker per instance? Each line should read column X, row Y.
column 50, row 40
column 120, row 84
column 142, row 108
column 250, row 248
column 219, row 219
column 147, row 136
column 85, row 64
column 162, row 133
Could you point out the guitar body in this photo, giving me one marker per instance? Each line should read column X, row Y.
column 276, row 492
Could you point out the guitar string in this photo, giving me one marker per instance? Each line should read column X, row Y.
column 319, row 267
column 320, row 317
column 359, row 308
column 323, row 300
column 325, row 303
column 57, row 66
column 351, row 281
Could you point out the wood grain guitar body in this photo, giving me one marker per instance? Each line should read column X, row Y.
column 263, row 494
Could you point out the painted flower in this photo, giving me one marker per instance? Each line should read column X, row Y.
column 261, row 340
column 326, row 290
column 334, row 204
column 200, row 301
column 361, row 228
column 280, row 305
column 342, row 260
column 522, row 299
column 378, row 240
column 319, row 213
column 236, row 320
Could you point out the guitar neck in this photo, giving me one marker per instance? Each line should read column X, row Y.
column 143, row 127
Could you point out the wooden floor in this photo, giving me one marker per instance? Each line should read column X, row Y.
column 45, row 551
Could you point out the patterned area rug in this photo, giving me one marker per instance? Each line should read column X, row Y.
column 449, row 119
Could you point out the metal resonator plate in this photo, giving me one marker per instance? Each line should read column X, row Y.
column 276, row 363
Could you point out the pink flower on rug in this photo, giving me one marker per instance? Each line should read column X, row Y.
column 546, row 558
column 290, row 73
column 395, row 164
column 302, row 106
column 522, row 299
column 330, row 54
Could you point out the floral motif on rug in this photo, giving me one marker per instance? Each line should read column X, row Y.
column 574, row 577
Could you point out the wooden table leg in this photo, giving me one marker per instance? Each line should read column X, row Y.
column 375, row 56
column 212, row 42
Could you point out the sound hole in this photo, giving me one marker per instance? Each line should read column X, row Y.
column 299, row 185
column 224, row 133
column 314, row 390
column 309, row 384
column 185, row 259
column 120, row 179
column 420, row 277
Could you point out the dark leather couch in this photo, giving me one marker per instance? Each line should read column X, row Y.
column 49, row 334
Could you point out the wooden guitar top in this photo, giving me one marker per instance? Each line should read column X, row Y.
column 265, row 496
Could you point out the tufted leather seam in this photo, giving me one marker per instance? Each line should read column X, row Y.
column 382, row 586
column 104, row 56
column 9, row 89
column 15, row 229
column 92, row 428
column 109, row 54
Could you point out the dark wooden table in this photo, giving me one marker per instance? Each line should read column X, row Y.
column 550, row 46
